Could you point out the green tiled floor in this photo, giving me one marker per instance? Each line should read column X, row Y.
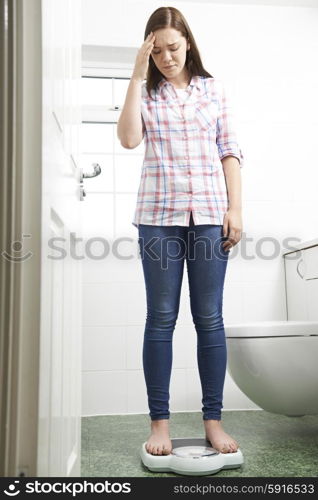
column 272, row 445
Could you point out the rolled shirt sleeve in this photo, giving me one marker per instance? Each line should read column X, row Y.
column 225, row 132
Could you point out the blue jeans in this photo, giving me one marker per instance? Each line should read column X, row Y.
column 163, row 250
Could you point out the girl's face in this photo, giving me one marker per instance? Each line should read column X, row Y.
column 169, row 51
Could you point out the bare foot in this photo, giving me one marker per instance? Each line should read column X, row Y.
column 159, row 442
column 219, row 439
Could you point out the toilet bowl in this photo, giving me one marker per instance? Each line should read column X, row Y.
column 275, row 364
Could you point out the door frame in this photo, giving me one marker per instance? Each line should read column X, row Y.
column 20, row 222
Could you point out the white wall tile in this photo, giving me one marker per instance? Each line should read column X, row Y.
column 191, row 346
column 137, row 401
column 104, row 392
column 136, row 303
column 182, row 345
column 134, row 335
column 97, row 220
column 178, row 390
column 115, row 266
column 127, row 172
column 194, row 391
column 232, row 302
column 255, row 261
column 125, row 205
column 104, row 304
column 185, row 315
column 264, row 301
column 104, row 348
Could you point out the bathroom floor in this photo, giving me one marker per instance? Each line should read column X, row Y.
column 272, row 445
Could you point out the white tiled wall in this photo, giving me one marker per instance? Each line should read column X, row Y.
column 265, row 55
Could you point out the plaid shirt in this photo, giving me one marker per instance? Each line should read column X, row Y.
column 185, row 141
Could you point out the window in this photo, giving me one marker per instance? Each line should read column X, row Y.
column 110, row 197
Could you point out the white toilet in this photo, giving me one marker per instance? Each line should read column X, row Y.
column 275, row 363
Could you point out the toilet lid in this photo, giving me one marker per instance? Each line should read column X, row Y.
column 272, row 329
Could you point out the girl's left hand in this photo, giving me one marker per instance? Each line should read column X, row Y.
column 232, row 228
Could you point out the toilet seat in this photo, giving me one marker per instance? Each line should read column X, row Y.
column 272, row 329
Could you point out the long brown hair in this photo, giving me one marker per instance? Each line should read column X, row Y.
column 170, row 17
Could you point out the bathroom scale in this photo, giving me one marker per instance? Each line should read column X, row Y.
column 191, row 457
